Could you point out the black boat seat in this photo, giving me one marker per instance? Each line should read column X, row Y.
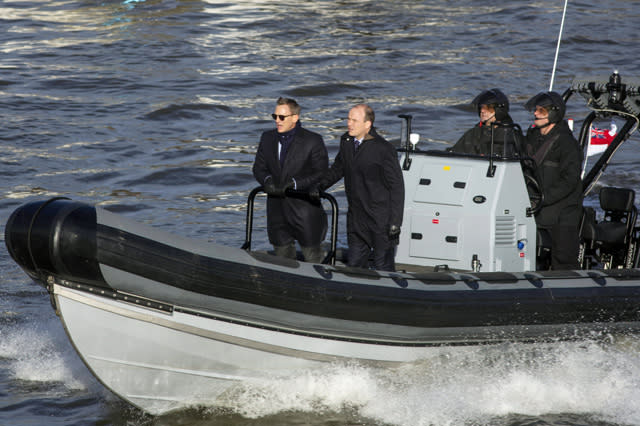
column 611, row 233
column 620, row 215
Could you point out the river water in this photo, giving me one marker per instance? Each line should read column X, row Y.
column 153, row 109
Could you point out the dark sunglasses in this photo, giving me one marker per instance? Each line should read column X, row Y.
column 280, row 117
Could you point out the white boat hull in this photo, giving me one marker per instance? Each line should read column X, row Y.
column 162, row 361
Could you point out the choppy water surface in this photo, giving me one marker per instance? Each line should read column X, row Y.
column 154, row 109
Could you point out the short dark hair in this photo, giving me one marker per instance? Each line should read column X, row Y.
column 291, row 103
column 369, row 115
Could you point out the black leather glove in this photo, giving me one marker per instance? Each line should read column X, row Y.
column 393, row 232
column 314, row 193
column 269, row 186
column 282, row 188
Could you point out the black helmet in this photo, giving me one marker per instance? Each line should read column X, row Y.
column 552, row 101
column 494, row 98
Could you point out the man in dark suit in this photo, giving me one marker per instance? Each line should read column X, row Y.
column 292, row 157
column 375, row 191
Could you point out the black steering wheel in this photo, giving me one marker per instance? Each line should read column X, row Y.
column 536, row 196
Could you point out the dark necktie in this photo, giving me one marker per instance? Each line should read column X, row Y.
column 284, row 147
column 356, row 143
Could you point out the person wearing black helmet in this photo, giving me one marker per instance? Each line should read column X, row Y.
column 558, row 158
column 495, row 125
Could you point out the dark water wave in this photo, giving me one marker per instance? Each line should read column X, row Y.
column 189, row 112
column 153, row 109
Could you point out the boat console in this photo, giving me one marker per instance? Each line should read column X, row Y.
column 466, row 212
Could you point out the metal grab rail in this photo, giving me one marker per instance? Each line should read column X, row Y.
column 331, row 256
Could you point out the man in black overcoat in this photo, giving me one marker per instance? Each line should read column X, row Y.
column 558, row 157
column 292, row 157
column 375, row 191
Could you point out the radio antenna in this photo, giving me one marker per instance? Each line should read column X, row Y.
column 555, row 61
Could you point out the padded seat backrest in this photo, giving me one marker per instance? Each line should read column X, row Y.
column 619, row 215
column 618, row 201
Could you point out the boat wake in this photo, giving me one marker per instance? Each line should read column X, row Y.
column 464, row 385
column 454, row 385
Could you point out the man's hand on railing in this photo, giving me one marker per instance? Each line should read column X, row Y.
column 269, row 186
column 282, row 188
column 314, row 193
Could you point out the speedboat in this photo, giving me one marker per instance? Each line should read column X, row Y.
column 166, row 321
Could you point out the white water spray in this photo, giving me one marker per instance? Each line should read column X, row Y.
column 465, row 385
column 33, row 354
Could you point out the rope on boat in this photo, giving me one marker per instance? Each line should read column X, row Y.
column 555, row 61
